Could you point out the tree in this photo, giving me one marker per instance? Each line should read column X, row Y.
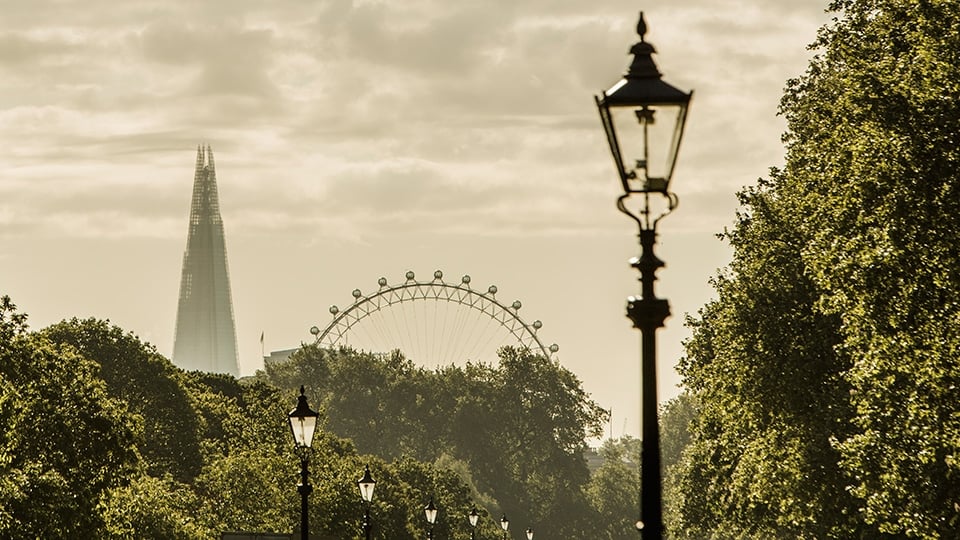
column 676, row 418
column 70, row 445
column 761, row 452
column 823, row 368
column 520, row 426
column 382, row 402
column 873, row 150
column 538, row 418
column 156, row 508
column 614, row 490
column 250, row 491
column 150, row 386
column 64, row 442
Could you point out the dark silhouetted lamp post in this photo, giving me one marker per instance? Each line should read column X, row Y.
column 473, row 517
column 366, row 483
column 643, row 118
column 303, row 423
column 430, row 510
column 504, row 524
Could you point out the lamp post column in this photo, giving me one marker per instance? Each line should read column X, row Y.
column 304, row 489
column 648, row 313
column 366, row 522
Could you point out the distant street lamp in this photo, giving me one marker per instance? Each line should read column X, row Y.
column 643, row 118
column 529, row 533
column 366, row 484
column 473, row 517
column 504, row 524
column 303, row 424
column 431, row 512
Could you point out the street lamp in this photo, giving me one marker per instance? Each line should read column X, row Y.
column 643, row 118
column 473, row 517
column 366, row 484
column 303, row 424
column 504, row 524
column 529, row 533
column 430, row 510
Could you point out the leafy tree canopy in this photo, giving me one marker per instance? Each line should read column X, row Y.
column 64, row 442
column 825, row 373
column 104, row 438
column 520, row 425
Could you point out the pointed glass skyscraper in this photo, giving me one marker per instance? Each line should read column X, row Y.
column 206, row 339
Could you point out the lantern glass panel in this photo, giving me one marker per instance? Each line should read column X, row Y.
column 647, row 138
column 431, row 513
column 303, row 429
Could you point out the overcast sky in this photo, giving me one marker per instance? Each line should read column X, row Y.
column 360, row 139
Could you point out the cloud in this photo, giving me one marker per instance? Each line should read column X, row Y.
column 232, row 60
column 383, row 113
column 20, row 49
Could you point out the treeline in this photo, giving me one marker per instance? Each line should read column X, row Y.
column 826, row 373
column 517, row 428
column 102, row 437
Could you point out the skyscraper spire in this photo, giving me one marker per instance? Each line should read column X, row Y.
column 206, row 339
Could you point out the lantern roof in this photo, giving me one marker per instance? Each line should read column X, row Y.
column 302, row 409
column 642, row 83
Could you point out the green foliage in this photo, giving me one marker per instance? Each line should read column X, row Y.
column 65, row 443
column 217, row 453
column 614, row 490
column 520, row 426
column 156, row 508
column 12, row 322
column 82, row 400
column 825, row 373
column 539, row 416
column 887, row 252
column 761, row 361
column 676, row 419
column 238, row 416
column 412, row 483
column 249, row 491
column 151, row 387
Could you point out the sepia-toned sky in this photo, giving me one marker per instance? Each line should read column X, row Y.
column 364, row 138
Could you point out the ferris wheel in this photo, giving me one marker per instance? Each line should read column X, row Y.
column 434, row 323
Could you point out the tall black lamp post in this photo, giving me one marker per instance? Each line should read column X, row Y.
column 473, row 517
column 430, row 510
column 643, row 118
column 303, row 423
column 366, row 484
column 504, row 524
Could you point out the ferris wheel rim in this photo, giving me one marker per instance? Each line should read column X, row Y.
column 436, row 289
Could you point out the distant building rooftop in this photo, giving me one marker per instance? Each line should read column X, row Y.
column 278, row 356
